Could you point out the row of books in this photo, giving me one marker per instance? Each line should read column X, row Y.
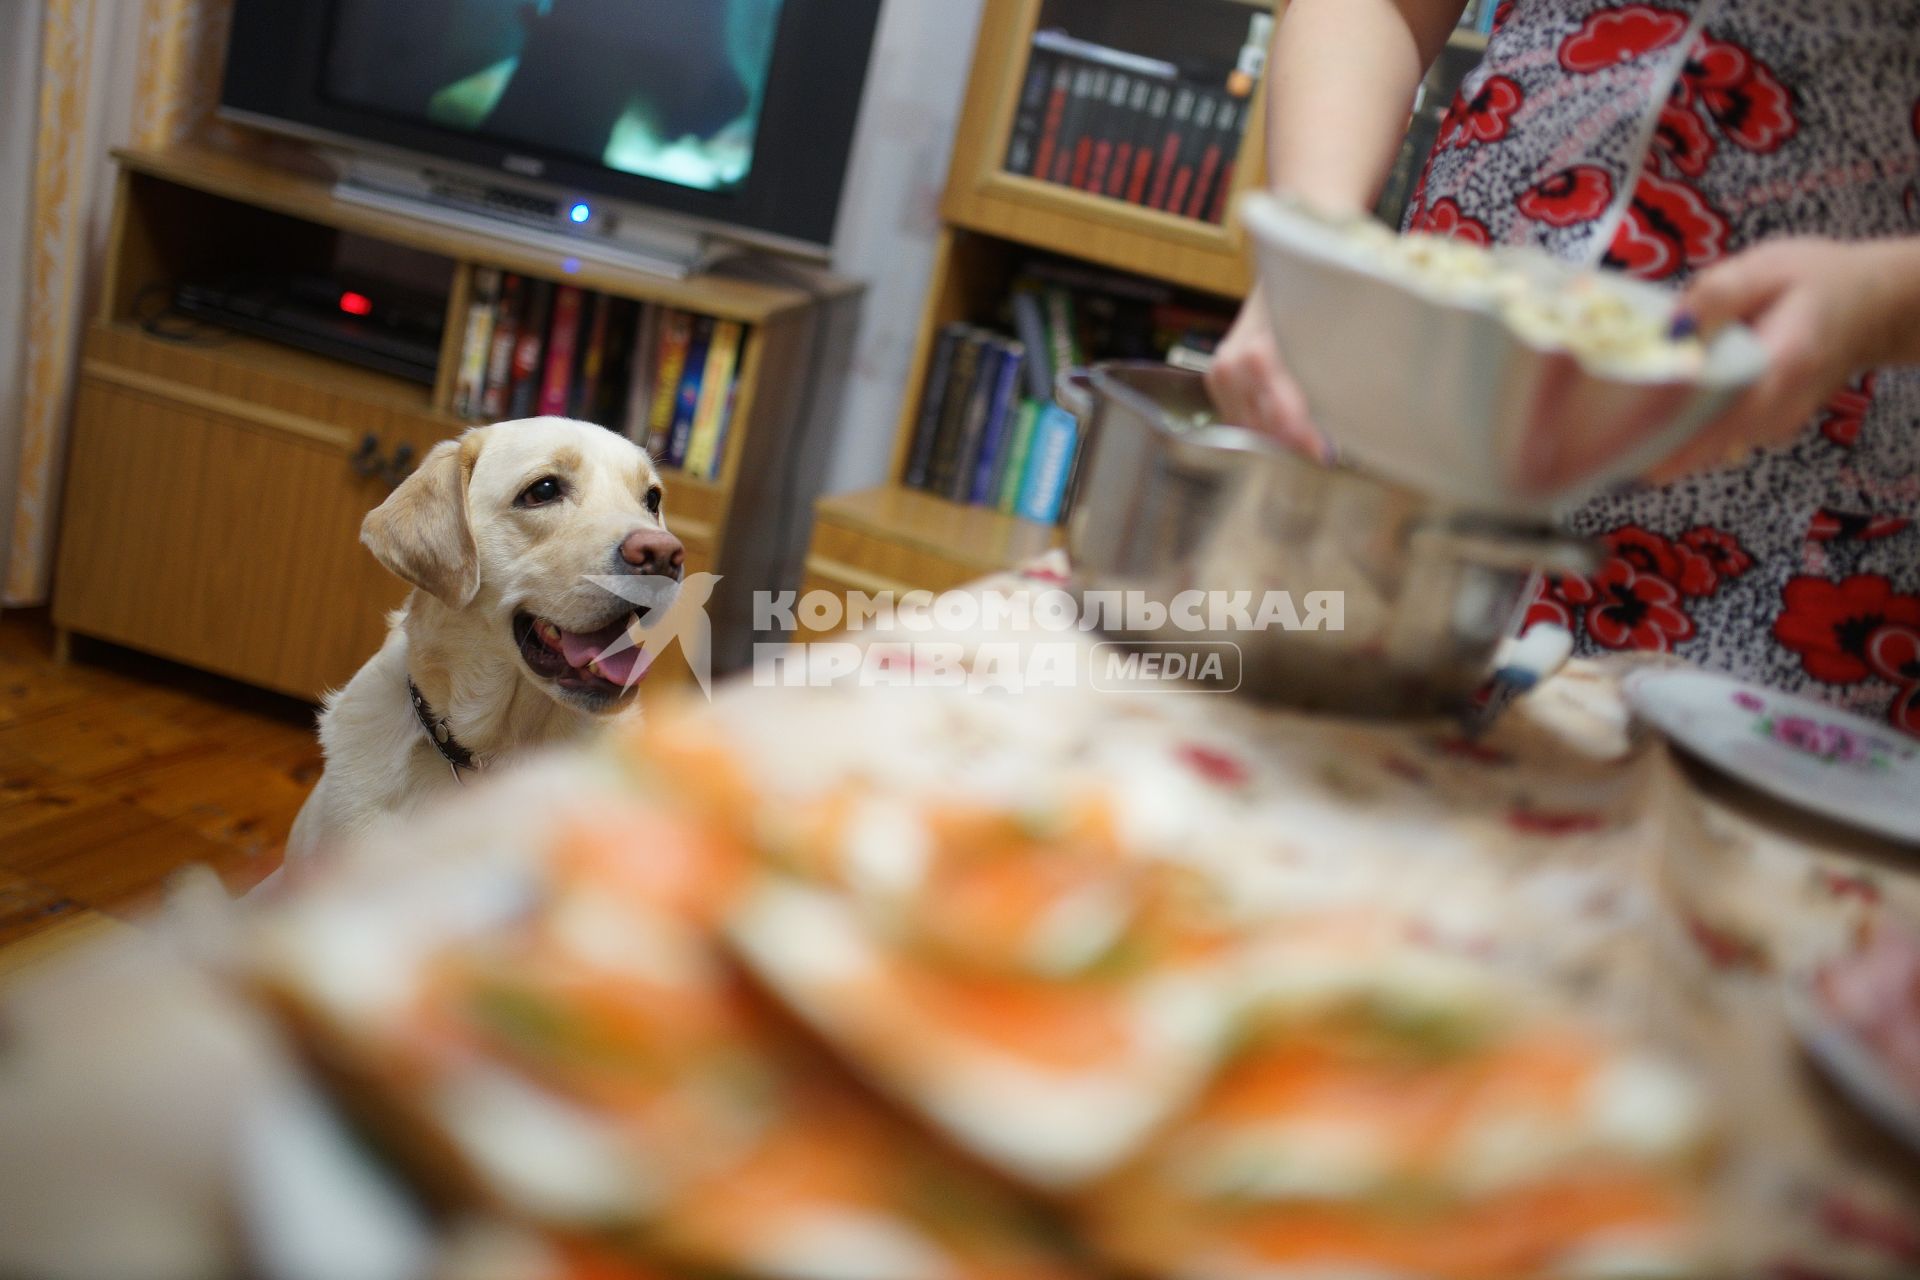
column 988, row 432
column 664, row 377
column 1117, row 124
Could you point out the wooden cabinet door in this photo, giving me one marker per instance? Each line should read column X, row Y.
column 222, row 541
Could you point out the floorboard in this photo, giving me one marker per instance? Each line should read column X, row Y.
column 118, row 769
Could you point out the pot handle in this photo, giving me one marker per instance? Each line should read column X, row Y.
column 1542, row 552
column 1073, row 389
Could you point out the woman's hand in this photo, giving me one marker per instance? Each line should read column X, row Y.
column 1824, row 311
column 1252, row 388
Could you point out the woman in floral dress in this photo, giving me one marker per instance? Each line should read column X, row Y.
column 1763, row 158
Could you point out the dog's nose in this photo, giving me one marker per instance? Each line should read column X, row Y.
column 655, row 552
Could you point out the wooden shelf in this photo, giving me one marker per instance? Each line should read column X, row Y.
column 308, row 195
column 245, row 356
column 895, row 538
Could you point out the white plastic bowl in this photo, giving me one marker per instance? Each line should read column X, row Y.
column 1435, row 389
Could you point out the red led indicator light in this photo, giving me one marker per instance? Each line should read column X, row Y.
column 356, row 304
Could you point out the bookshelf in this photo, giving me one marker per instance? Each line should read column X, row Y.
column 215, row 489
column 896, row 537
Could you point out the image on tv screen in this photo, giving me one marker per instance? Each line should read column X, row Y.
column 666, row 89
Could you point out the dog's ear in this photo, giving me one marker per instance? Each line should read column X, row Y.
column 421, row 532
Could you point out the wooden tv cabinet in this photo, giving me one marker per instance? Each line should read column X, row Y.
column 215, row 491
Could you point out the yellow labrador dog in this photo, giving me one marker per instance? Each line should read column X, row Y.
column 505, row 643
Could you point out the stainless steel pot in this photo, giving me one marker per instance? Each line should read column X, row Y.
column 1167, row 503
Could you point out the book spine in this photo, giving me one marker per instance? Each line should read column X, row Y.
column 471, row 383
column 932, row 396
column 974, row 426
column 1030, row 323
column 715, row 383
column 993, row 437
column 591, row 364
column 1063, row 329
column 642, row 341
column 1132, row 119
column 526, row 353
column 1023, row 146
column 1213, row 157
column 669, row 362
column 1092, row 121
column 1146, row 154
column 506, row 331
column 953, row 411
column 563, row 342
column 1055, row 436
column 1106, row 142
column 1019, row 449
column 1059, row 93
column 1179, row 120
column 686, row 400
column 1073, row 130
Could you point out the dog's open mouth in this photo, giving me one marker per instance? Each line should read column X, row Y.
column 606, row 661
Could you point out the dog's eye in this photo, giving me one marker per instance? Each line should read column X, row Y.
column 653, row 500
column 539, row 493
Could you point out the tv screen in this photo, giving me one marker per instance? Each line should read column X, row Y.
column 733, row 112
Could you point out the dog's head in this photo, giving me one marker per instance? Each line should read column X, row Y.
column 507, row 524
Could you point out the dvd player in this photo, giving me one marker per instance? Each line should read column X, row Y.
column 367, row 324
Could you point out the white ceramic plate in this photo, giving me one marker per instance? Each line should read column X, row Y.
column 1850, row 1064
column 1828, row 761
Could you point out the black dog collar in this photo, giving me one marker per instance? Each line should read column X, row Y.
column 440, row 733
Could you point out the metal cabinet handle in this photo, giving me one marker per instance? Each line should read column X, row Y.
column 400, row 466
column 366, row 459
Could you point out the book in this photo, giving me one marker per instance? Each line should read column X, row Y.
column 1110, row 123
column 470, row 383
column 1063, row 329
column 1091, row 115
column 506, row 339
column 1146, row 155
column 686, row 399
column 563, row 341
column 716, row 382
column 1019, row 449
column 616, row 370
column 1193, row 145
column 1073, row 128
column 669, row 361
column 953, row 411
column 1049, row 464
column 1023, row 146
column 1213, row 153
column 933, row 392
column 1186, row 100
column 973, row 423
column 638, row 389
column 1030, row 323
column 590, row 361
column 1053, row 120
column 1002, row 399
column 532, row 341
column 1133, row 127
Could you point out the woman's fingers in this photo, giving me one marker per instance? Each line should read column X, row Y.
column 1252, row 389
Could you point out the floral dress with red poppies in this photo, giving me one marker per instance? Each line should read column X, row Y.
column 1658, row 138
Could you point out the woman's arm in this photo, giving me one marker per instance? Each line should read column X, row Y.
column 1341, row 82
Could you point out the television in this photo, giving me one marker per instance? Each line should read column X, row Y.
column 630, row 120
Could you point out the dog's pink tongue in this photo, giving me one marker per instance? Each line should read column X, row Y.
column 579, row 649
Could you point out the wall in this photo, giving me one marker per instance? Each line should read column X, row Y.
column 891, row 213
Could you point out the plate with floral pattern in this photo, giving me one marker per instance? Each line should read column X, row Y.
column 1820, row 758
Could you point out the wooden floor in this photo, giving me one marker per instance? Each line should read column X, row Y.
column 117, row 769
